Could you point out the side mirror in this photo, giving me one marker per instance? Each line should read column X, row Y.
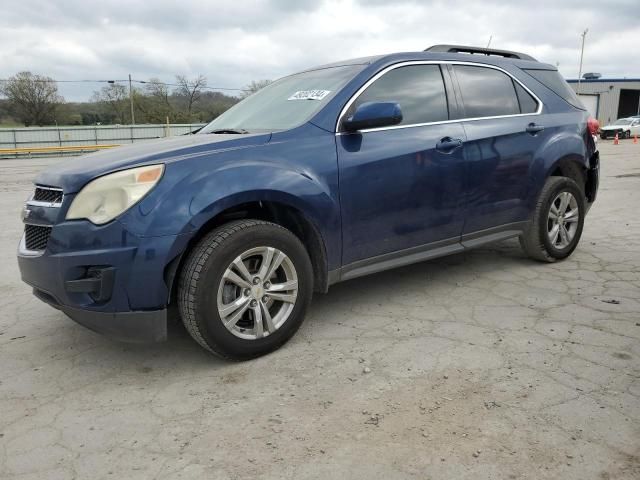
column 373, row 115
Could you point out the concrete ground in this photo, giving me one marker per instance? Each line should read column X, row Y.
column 481, row 365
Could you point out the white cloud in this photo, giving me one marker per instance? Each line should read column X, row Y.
column 233, row 43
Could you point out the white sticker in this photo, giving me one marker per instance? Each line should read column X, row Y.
column 309, row 95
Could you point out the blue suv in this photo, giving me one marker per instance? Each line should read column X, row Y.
column 333, row 173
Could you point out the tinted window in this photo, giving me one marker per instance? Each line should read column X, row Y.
column 527, row 103
column 418, row 89
column 486, row 92
column 553, row 80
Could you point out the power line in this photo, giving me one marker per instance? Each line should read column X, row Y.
column 133, row 81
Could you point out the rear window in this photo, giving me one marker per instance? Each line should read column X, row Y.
column 527, row 103
column 486, row 92
column 554, row 81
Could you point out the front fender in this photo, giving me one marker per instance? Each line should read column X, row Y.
column 193, row 192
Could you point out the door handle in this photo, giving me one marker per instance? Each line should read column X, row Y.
column 532, row 128
column 448, row 144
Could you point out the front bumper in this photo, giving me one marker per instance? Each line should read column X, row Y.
column 105, row 278
column 604, row 134
column 134, row 327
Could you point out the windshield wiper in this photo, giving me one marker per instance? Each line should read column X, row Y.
column 238, row 131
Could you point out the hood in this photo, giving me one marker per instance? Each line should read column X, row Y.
column 72, row 174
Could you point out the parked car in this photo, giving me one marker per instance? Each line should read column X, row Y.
column 624, row 127
column 323, row 176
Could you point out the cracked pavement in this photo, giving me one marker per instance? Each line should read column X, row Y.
column 481, row 365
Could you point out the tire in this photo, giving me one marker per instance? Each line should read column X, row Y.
column 208, row 288
column 603, row 136
column 537, row 240
column 627, row 134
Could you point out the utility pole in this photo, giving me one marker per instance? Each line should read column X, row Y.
column 584, row 34
column 133, row 117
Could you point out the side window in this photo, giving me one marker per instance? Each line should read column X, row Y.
column 486, row 92
column 418, row 89
column 527, row 103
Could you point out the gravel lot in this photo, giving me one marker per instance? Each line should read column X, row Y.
column 481, row 365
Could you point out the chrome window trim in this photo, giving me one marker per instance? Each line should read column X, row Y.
column 442, row 122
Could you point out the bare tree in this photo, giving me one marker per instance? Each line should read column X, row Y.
column 155, row 102
column 191, row 90
column 113, row 98
column 158, row 90
column 253, row 87
column 34, row 99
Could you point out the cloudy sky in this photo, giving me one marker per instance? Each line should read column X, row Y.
column 234, row 42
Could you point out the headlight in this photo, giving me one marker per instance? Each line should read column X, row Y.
column 104, row 198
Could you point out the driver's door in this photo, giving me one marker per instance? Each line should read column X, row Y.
column 401, row 186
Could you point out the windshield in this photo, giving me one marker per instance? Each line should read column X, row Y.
column 623, row 121
column 285, row 103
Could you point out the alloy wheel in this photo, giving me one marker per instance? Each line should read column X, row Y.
column 257, row 293
column 562, row 221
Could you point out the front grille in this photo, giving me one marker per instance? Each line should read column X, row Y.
column 36, row 237
column 49, row 195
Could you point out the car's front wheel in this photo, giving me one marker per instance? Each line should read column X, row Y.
column 627, row 134
column 556, row 225
column 244, row 289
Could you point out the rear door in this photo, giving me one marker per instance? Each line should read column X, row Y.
column 402, row 186
column 503, row 130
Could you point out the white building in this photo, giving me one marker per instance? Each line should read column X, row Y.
column 609, row 98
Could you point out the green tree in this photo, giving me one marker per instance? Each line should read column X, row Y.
column 33, row 99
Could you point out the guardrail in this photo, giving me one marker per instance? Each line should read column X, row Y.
column 68, row 149
column 25, row 141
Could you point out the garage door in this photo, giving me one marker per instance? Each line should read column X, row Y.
column 591, row 103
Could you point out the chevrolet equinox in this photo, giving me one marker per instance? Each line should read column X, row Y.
column 322, row 176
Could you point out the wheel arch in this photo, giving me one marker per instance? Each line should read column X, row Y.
column 570, row 166
column 279, row 212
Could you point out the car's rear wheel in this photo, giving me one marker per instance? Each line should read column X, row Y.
column 627, row 134
column 556, row 225
column 245, row 288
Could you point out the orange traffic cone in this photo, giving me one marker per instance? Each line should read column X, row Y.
column 635, row 138
column 615, row 140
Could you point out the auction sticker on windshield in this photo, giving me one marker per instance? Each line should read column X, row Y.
column 309, row 95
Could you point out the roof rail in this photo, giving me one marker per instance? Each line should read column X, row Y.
column 479, row 51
